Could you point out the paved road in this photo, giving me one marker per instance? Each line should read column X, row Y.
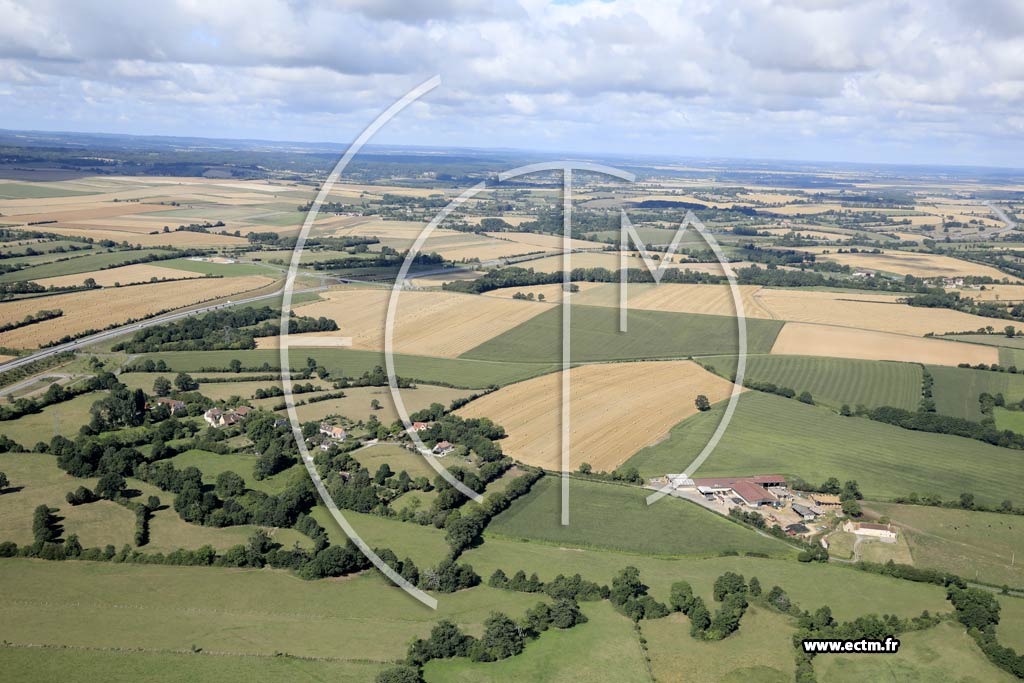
column 126, row 329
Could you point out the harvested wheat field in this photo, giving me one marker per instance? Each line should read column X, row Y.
column 182, row 238
column 1011, row 293
column 126, row 275
column 444, row 278
column 804, row 339
column 443, row 324
column 649, row 397
column 878, row 312
column 918, row 265
column 542, row 242
column 97, row 309
column 552, row 293
column 812, row 234
column 676, row 298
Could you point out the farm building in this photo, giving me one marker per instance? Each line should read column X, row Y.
column 883, row 532
column 796, row 529
column 808, row 514
column 752, row 491
column 419, row 426
column 333, row 432
column 443, row 448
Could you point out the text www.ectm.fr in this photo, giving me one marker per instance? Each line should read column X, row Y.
column 836, row 645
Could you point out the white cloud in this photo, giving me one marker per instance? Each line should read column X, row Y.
column 741, row 77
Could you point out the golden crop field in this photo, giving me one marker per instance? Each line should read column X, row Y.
column 97, row 309
column 677, row 298
column 878, row 312
column 426, row 323
column 805, row 339
column 918, row 265
column 616, row 409
column 126, row 275
column 542, row 242
column 511, row 220
column 553, row 293
column 813, row 234
column 993, row 293
column 184, row 238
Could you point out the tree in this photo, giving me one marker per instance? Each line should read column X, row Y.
column 681, row 597
column 400, row 674
column 805, row 397
column 184, row 382
column 374, row 404
column 161, row 386
column 702, row 403
column 229, row 484
column 845, row 410
column 235, row 365
column 44, row 525
column 1010, row 331
column 700, row 618
column 4, row 482
column 90, row 282
column 566, row 614
column 110, row 486
column 585, row 468
column 728, row 583
column 754, row 587
column 502, row 637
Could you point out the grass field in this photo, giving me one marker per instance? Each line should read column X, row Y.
column 770, row 434
column 358, row 618
column 397, row 458
column 352, row 363
column 651, row 335
column 424, row 544
column 834, row 381
column 603, row 649
column 61, row 418
column 612, row 517
column 760, row 650
column 976, row 545
column 214, row 390
column 991, row 340
column 78, row 264
column 956, row 390
column 35, row 191
column 806, row 339
column 106, row 666
column 943, row 654
column 356, row 404
column 848, row 592
column 225, row 269
column 241, row 464
column 1009, row 419
column 662, row 394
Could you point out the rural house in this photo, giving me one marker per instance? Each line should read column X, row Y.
column 333, row 432
column 883, row 532
column 172, row 403
column 443, row 448
column 215, row 417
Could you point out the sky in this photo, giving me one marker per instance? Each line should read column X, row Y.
column 886, row 81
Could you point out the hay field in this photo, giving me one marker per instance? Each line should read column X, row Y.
column 648, row 397
column 552, row 293
column 677, row 298
column 804, row 339
column 866, row 311
column 183, row 238
column 426, row 323
column 96, row 309
column 918, row 265
column 995, row 293
column 543, row 242
column 610, row 260
column 444, row 278
column 813, row 234
column 126, row 275
column 511, row 220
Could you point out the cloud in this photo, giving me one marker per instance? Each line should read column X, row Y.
column 752, row 78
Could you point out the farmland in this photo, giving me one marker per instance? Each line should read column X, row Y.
column 651, row 335
column 919, row 265
column 664, row 394
column 96, row 309
column 125, row 275
column 978, row 545
column 356, row 403
column 834, row 381
column 79, row 264
column 773, row 434
column 956, row 390
column 353, row 362
column 797, row 339
column 606, row 516
column 427, row 323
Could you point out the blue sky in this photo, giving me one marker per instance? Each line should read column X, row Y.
column 869, row 81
